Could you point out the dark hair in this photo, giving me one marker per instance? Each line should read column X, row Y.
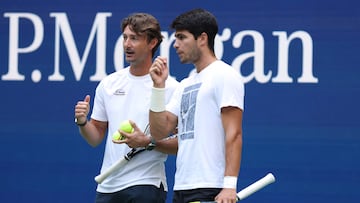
column 196, row 22
column 144, row 23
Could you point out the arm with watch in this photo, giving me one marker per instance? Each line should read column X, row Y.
column 168, row 145
column 143, row 139
column 92, row 131
column 134, row 151
column 138, row 139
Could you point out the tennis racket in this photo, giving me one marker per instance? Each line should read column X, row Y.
column 121, row 162
column 251, row 189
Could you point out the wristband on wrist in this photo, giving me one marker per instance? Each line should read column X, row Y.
column 80, row 124
column 230, row 182
column 157, row 103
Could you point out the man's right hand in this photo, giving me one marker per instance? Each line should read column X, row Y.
column 159, row 72
column 82, row 109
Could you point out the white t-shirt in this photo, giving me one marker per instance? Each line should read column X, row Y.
column 121, row 96
column 197, row 102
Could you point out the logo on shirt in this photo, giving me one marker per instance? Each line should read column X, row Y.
column 119, row 92
column 187, row 111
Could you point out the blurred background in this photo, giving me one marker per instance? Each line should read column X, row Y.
column 299, row 59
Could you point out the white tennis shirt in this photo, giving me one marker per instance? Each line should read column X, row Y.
column 121, row 96
column 200, row 159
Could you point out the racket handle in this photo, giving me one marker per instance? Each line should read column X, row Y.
column 101, row 177
column 251, row 189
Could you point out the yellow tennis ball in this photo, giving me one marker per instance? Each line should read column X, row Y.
column 126, row 127
column 117, row 136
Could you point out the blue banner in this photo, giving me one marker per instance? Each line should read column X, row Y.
column 299, row 60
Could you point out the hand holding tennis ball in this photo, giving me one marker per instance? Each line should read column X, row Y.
column 117, row 136
column 124, row 126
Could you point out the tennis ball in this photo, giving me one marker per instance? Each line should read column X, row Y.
column 117, row 136
column 126, row 127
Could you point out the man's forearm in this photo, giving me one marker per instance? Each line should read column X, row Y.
column 91, row 134
column 233, row 155
column 158, row 125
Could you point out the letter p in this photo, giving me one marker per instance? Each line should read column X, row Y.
column 14, row 49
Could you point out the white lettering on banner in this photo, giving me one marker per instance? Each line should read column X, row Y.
column 62, row 27
column 99, row 30
column 283, row 54
column 284, row 43
column 258, row 55
column 14, row 49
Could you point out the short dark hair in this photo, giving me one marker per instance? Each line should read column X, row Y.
column 196, row 22
column 144, row 23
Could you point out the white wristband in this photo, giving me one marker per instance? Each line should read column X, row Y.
column 230, row 182
column 157, row 103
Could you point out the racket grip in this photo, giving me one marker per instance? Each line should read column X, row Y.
column 101, row 177
column 261, row 183
column 251, row 189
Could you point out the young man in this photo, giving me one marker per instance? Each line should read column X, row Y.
column 125, row 95
column 207, row 107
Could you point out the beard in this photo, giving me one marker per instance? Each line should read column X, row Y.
column 190, row 57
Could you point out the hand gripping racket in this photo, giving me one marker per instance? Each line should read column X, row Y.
column 121, row 162
column 251, row 189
